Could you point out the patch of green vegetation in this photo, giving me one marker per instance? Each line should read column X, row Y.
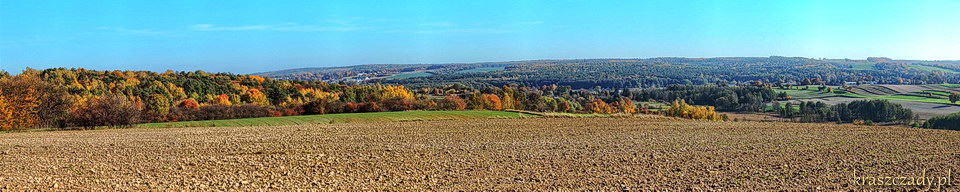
column 809, row 92
column 932, row 68
column 482, row 69
column 934, row 92
column 344, row 118
column 863, row 66
column 951, row 85
column 410, row 75
column 901, row 98
column 769, row 107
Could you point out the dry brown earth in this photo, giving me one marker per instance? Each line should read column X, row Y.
column 498, row 154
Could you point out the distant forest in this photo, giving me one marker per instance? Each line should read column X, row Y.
column 646, row 73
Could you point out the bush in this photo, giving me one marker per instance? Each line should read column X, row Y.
column 112, row 111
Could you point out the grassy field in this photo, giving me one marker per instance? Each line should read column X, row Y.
column 870, row 65
column 931, row 68
column 410, row 75
column 482, row 69
column 810, row 92
column 901, row 98
column 344, row 118
column 536, row 154
column 813, row 93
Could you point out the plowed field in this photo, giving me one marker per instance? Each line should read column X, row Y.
column 497, row 154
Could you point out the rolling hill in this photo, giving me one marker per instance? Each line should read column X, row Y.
column 639, row 73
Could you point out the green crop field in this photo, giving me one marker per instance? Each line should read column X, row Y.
column 900, row 98
column 810, row 92
column 951, row 85
column 344, row 118
column 931, row 68
column 863, row 66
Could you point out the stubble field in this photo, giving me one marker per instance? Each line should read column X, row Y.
column 498, row 154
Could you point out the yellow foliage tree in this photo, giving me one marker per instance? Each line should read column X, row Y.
column 222, row 99
column 680, row 108
column 316, row 94
column 399, row 91
column 508, row 99
column 22, row 102
column 254, row 96
column 6, row 114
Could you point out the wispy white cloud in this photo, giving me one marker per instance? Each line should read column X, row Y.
column 291, row 27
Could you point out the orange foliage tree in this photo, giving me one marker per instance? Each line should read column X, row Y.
column 6, row 114
column 626, row 106
column 222, row 99
column 599, row 106
column 23, row 98
column 189, row 104
column 254, row 96
column 492, row 102
column 453, row 102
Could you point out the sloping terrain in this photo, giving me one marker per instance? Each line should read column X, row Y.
column 501, row 154
column 630, row 72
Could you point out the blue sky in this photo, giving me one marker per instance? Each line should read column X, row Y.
column 256, row 36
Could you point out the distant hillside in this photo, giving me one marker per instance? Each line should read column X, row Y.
column 635, row 73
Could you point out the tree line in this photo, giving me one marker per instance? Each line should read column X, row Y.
column 857, row 112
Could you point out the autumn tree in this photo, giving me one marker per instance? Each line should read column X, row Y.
column 6, row 114
column 492, row 102
column 601, row 107
column 400, row 92
column 453, row 102
column 508, row 99
column 254, row 96
column 475, row 101
column 222, row 99
column 954, row 97
column 157, row 107
column 189, row 104
column 680, row 108
column 626, row 105
column 33, row 102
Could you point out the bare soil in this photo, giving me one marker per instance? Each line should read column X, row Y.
column 481, row 154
